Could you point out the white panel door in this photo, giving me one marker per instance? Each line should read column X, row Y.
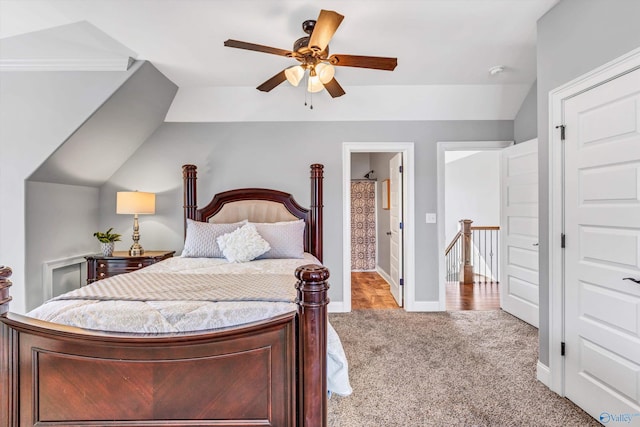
column 395, row 214
column 602, row 227
column 519, row 231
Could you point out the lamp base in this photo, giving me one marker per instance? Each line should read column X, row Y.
column 136, row 250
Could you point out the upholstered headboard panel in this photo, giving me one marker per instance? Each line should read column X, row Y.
column 254, row 211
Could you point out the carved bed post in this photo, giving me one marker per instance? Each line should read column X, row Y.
column 189, row 176
column 313, row 299
column 5, row 284
column 8, row 385
column 317, row 174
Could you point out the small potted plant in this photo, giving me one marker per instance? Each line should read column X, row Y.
column 107, row 240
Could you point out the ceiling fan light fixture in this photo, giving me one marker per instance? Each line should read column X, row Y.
column 314, row 85
column 325, row 72
column 294, row 74
column 312, row 52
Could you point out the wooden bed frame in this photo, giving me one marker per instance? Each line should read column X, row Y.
column 268, row 373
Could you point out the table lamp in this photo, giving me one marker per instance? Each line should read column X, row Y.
column 136, row 203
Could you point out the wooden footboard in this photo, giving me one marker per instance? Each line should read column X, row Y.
column 267, row 373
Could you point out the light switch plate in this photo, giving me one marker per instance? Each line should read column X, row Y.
column 431, row 218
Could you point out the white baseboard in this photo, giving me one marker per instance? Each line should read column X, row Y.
column 383, row 274
column 337, row 307
column 424, row 306
column 543, row 373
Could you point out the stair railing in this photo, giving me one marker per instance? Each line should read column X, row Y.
column 472, row 255
column 452, row 256
column 485, row 259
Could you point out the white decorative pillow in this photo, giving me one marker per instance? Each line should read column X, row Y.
column 201, row 238
column 242, row 245
column 286, row 238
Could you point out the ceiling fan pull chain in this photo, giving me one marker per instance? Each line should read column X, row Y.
column 310, row 94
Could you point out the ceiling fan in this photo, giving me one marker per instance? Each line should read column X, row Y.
column 312, row 52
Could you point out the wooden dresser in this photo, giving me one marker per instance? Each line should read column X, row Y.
column 101, row 267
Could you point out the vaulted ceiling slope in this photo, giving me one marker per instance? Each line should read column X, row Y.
column 444, row 50
column 97, row 149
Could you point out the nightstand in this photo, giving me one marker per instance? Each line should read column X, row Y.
column 101, row 267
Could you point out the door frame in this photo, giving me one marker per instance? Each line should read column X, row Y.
column 442, row 243
column 408, row 207
column 553, row 375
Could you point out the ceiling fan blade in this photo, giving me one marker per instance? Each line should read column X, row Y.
column 257, row 48
column 375, row 62
column 326, row 25
column 334, row 88
column 272, row 82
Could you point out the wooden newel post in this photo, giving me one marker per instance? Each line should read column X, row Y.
column 313, row 298
column 5, row 284
column 466, row 269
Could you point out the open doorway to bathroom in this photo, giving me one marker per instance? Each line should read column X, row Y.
column 373, row 252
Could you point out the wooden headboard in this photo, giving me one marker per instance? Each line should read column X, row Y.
column 270, row 206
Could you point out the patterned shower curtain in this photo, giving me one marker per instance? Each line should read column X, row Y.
column 363, row 226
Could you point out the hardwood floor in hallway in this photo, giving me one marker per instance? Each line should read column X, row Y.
column 370, row 290
column 478, row 296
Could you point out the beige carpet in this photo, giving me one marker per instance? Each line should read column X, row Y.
column 465, row 368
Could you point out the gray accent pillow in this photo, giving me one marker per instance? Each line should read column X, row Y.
column 201, row 238
column 286, row 238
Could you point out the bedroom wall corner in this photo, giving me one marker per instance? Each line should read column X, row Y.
column 38, row 112
column 525, row 125
column 61, row 221
column 600, row 31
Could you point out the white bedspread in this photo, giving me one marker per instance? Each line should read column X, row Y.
column 173, row 315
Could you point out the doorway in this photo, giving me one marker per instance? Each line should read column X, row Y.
column 376, row 238
column 406, row 290
column 460, row 296
column 472, row 193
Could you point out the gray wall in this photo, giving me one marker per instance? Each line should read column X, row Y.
column 380, row 163
column 38, row 112
column 360, row 165
column 472, row 191
column 105, row 116
column 574, row 37
column 272, row 154
column 525, row 125
column 105, row 141
column 61, row 220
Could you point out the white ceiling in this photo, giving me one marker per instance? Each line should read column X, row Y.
column 437, row 42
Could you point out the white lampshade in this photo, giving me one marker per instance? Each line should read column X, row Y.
column 315, row 85
column 294, row 74
column 325, row 72
column 135, row 202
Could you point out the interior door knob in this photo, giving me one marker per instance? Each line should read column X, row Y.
column 388, row 233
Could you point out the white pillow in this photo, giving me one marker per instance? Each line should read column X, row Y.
column 242, row 245
column 201, row 238
column 285, row 238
